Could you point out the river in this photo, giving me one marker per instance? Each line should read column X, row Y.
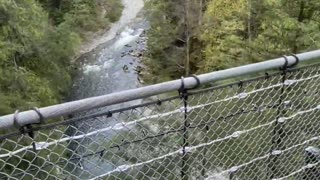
column 109, row 66
column 102, row 69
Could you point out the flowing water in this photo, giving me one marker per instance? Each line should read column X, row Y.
column 102, row 69
column 130, row 12
column 109, row 67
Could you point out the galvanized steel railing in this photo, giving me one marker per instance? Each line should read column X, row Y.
column 265, row 126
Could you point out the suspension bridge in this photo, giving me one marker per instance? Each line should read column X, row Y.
column 258, row 121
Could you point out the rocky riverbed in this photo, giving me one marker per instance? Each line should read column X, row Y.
column 110, row 67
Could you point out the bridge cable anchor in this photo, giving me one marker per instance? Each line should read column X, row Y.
column 286, row 63
column 296, row 62
column 183, row 90
column 41, row 117
column 28, row 128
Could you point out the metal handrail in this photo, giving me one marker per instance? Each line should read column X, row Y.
column 31, row 116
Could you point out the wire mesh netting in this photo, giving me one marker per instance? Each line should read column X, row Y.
column 266, row 127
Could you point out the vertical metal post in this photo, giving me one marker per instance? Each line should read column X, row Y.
column 204, row 160
column 183, row 92
column 185, row 143
column 278, row 131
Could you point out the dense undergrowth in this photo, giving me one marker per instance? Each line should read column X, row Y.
column 38, row 39
column 198, row 36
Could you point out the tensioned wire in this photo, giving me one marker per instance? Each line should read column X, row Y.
column 118, row 146
column 159, row 102
column 231, row 136
column 59, row 110
column 192, row 148
column 168, row 99
column 122, row 125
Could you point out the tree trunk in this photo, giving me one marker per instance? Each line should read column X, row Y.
column 200, row 12
column 187, row 18
column 187, row 65
column 300, row 19
column 249, row 21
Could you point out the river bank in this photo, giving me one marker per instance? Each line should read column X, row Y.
column 109, row 64
column 130, row 10
column 120, row 47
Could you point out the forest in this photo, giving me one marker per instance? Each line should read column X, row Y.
column 38, row 40
column 197, row 36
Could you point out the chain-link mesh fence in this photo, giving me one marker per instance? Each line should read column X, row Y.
column 266, row 127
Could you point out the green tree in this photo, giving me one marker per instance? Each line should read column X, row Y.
column 174, row 47
column 21, row 31
column 247, row 31
column 38, row 39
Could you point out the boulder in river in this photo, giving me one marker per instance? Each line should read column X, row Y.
column 136, row 54
column 125, row 68
column 138, row 69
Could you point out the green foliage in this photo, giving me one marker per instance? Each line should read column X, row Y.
column 23, row 29
column 229, row 33
column 37, row 42
column 255, row 30
column 233, row 33
column 83, row 15
column 223, row 31
column 173, row 38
